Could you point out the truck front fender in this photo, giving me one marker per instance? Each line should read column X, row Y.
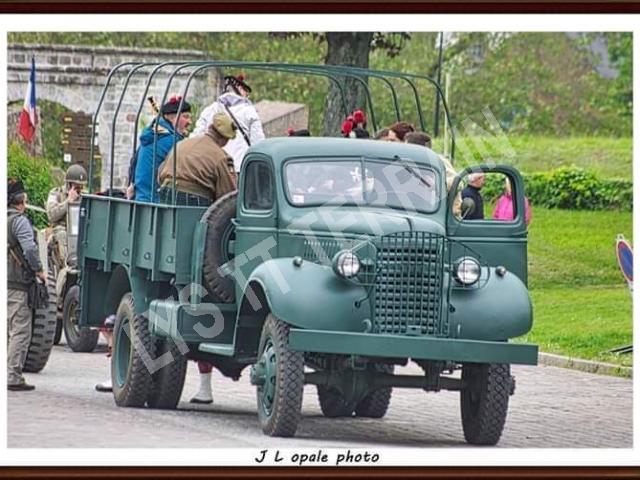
column 309, row 296
column 499, row 310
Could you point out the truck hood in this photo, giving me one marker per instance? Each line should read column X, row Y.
column 362, row 222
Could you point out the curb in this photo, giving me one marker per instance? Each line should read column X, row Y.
column 588, row 366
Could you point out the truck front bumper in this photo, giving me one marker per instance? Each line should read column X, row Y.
column 423, row 348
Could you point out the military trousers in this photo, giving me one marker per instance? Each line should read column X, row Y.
column 18, row 334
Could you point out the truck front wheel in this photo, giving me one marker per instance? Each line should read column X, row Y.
column 484, row 401
column 79, row 339
column 279, row 376
column 132, row 343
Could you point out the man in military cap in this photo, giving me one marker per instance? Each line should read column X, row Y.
column 59, row 198
column 23, row 267
column 204, row 172
column 235, row 103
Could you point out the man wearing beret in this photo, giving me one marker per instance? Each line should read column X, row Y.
column 169, row 127
column 235, row 103
column 23, row 267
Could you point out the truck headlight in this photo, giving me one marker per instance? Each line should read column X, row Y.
column 467, row 271
column 346, row 264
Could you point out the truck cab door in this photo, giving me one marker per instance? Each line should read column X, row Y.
column 497, row 242
column 256, row 218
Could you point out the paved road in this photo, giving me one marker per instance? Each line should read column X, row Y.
column 552, row 407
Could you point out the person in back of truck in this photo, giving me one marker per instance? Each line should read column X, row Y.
column 23, row 267
column 424, row 139
column 171, row 127
column 235, row 103
column 203, row 170
column 398, row 131
column 204, row 173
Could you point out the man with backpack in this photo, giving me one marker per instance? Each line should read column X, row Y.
column 23, row 269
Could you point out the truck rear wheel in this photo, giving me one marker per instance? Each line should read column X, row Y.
column 280, row 379
column 376, row 403
column 484, row 401
column 220, row 231
column 79, row 339
column 168, row 381
column 58, row 335
column 43, row 331
column 132, row 342
column 332, row 403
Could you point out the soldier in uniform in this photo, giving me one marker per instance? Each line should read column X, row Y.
column 75, row 180
column 23, row 266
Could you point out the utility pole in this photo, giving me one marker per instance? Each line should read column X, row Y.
column 436, row 120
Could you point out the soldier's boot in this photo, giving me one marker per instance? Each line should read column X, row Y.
column 204, row 395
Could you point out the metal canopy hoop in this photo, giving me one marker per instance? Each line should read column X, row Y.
column 336, row 74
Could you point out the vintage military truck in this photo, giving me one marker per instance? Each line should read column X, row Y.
column 334, row 262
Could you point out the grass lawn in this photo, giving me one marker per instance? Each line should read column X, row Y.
column 608, row 157
column 570, row 248
column 582, row 322
column 582, row 306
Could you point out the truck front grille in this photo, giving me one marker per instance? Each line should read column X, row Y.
column 408, row 284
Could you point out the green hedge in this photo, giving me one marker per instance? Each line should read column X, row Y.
column 578, row 189
column 35, row 173
column 568, row 188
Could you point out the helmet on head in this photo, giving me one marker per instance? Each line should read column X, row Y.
column 76, row 174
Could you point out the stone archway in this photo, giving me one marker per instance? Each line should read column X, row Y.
column 74, row 76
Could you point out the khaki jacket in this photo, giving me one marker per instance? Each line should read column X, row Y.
column 57, row 207
column 203, row 168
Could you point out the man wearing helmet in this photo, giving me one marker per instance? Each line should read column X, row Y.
column 57, row 202
column 236, row 104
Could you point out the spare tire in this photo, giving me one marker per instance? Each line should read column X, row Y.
column 220, row 231
column 43, row 331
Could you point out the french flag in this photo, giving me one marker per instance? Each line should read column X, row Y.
column 28, row 117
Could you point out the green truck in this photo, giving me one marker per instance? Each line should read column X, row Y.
column 336, row 262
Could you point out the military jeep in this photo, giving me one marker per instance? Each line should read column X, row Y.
column 335, row 262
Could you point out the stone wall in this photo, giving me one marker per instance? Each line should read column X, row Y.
column 277, row 117
column 74, row 76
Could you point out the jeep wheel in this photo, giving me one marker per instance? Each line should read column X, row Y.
column 220, row 231
column 168, row 381
column 78, row 339
column 132, row 342
column 484, row 401
column 332, row 403
column 279, row 375
column 43, row 331
column 376, row 403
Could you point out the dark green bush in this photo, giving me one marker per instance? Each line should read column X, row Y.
column 579, row 189
column 35, row 173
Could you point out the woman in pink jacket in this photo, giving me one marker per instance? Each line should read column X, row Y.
column 504, row 207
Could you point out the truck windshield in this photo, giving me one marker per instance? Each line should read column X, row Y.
column 395, row 184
